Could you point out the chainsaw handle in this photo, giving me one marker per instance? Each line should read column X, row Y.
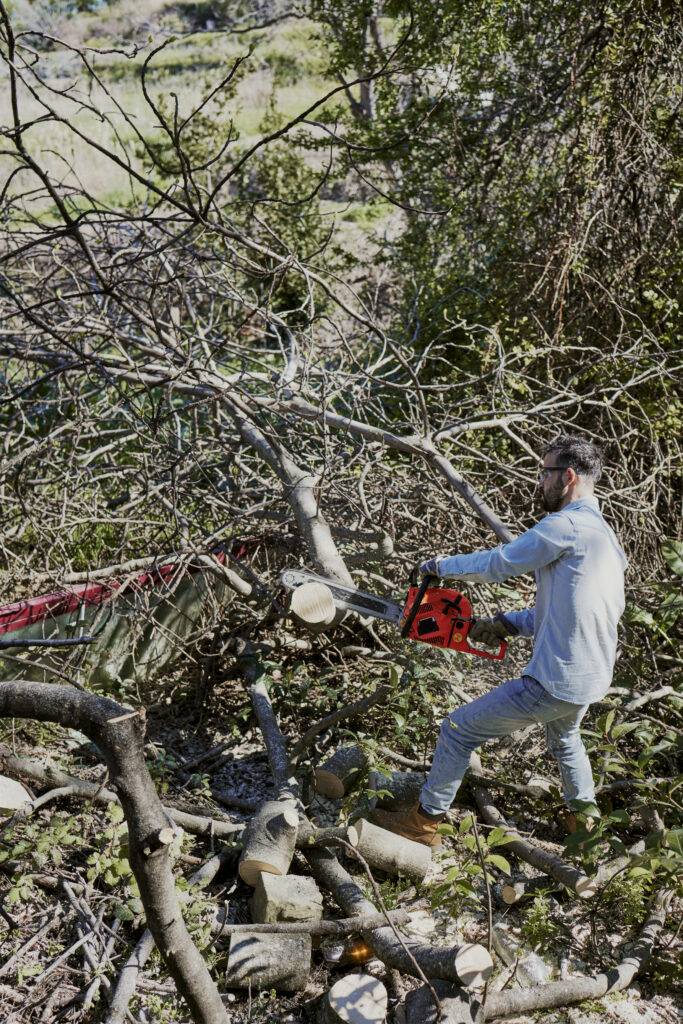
column 426, row 581
column 497, row 656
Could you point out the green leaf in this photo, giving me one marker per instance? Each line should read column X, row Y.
column 465, row 824
column 115, row 813
column 672, row 553
column 633, row 615
column 498, row 862
column 124, row 913
column 674, row 839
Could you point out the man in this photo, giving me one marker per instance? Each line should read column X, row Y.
column 579, row 568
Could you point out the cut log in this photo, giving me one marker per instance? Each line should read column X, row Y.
column 269, row 961
column 336, row 776
column 457, row 1007
column 311, row 605
column 403, row 789
column 269, row 841
column 286, row 898
column 468, row 965
column 12, row 795
column 528, row 888
column 389, row 852
column 355, row 999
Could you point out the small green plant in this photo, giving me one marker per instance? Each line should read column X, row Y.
column 538, row 927
column 458, row 890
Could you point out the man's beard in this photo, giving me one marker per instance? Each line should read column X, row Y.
column 551, row 501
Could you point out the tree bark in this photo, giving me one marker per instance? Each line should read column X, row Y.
column 120, row 737
column 286, row 898
column 457, row 1007
column 402, row 789
column 554, row 866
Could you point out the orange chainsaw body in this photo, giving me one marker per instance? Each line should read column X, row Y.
column 443, row 619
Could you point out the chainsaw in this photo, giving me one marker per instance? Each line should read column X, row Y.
column 430, row 613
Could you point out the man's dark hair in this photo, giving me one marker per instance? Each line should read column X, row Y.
column 578, row 454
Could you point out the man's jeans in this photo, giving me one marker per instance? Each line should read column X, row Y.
column 509, row 707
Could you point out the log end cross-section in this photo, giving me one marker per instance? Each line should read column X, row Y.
column 312, row 605
column 355, row 999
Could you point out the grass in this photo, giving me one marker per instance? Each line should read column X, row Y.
column 183, row 73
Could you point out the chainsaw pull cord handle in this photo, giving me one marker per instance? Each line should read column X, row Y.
column 427, row 581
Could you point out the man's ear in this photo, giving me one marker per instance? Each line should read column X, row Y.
column 572, row 476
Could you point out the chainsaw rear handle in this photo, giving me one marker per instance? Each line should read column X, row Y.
column 497, row 655
column 427, row 581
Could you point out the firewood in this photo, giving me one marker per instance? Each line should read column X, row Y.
column 268, row 961
column 457, row 1007
column 269, row 841
column 389, row 852
column 286, row 898
column 355, row 999
column 335, row 777
column 312, row 605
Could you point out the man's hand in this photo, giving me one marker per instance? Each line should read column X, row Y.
column 488, row 632
column 431, row 566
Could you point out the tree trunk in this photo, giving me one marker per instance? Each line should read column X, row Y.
column 402, row 789
column 468, row 965
column 286, row 898
column 311, row 605
column 575, row 990
column 457, row 1007
column 119, row 734
column 558, row 869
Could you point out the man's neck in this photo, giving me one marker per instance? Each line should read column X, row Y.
column 575, row 493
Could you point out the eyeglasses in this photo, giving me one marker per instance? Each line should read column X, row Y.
column 545, row 471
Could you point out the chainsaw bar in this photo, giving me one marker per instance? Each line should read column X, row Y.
column 347, row 598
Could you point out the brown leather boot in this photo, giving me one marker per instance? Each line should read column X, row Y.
column 414, row 824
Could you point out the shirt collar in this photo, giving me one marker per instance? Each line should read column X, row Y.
column 589, row 500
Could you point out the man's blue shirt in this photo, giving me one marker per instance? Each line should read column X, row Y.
column 579, row 568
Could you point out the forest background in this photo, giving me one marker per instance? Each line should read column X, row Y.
column 313, row 284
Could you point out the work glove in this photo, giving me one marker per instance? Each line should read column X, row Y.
column 431, row 566
column 489, row 631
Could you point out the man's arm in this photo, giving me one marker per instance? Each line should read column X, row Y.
column 521, row 623
column 541, row 545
